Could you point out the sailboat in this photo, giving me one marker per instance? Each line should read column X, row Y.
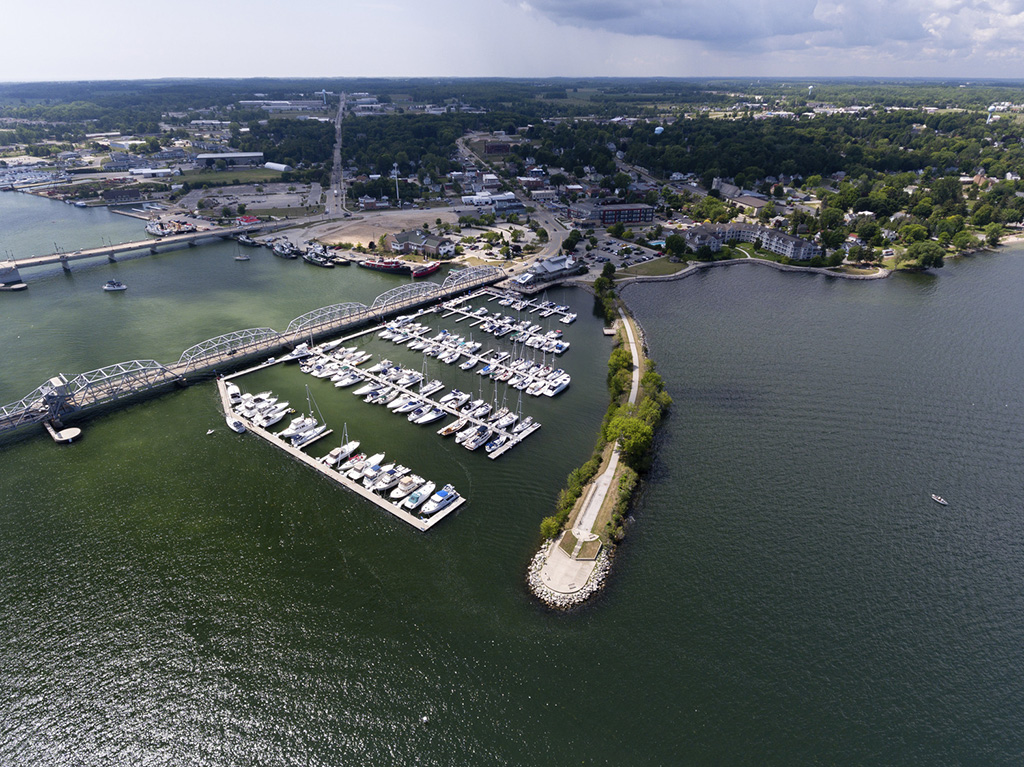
column 339, row 454
column 317, row 426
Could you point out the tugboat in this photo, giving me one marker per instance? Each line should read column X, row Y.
column 113, row 285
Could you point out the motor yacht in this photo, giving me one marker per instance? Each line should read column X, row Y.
column 418, row 496
column 440, row 500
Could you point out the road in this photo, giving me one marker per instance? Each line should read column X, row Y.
column 335, row 207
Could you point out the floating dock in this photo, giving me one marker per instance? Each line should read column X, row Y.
column 298, row 454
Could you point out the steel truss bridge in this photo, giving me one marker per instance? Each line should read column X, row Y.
column 60, row 397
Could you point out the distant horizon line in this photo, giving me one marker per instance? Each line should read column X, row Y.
column 528, row 78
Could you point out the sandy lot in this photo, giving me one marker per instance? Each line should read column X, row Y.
column 367, row 227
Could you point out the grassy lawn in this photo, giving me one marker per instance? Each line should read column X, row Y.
column 243, row 176
column 590, row 549
column 850, row 269
column 659, row 266
column 568, row 542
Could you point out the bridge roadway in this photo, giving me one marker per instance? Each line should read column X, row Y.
column 152, row 245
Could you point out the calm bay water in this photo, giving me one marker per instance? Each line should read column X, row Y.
column 788, row 592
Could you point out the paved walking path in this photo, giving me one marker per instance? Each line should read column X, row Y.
column 561, row 572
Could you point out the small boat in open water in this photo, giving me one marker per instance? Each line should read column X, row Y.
column 113, row 285
column 940, row 500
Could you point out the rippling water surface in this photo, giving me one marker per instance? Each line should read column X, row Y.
column 788, row 593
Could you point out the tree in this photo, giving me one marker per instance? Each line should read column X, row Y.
column 830, row 218
column 558, row 180
column 992, row 234
column 634, row 436
column 608, row 271
column 675, row 244
column 922, row 255
column 241, row 208
column 913, row 233
column 550, row 527
column 964, row 240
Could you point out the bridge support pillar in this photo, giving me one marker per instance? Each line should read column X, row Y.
column 153, row 250
column 110, row 257
column 64, row 264
column 191, row 244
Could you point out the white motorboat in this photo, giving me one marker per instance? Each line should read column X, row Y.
column 418, row 496
column 348, row 465
column 235, row 424
column 410, row 406
column 440, row 500
column 112, row 286
column 434, row 414
column 383, row 364
column 557, row 386
column 367, row 388
column 453, row 394
column 469, row 364
column 940, row 500
column 297, row 426
column 482, row 435
column 234, row 393
column 372, row 473
column 309, row 435
column 406, row 485
column 400, row 401
column 419, row 412
column 471, row 433
column 349, row 379
column 299, row 352
column 389, row 478
column 360, row 466
column 496, row 443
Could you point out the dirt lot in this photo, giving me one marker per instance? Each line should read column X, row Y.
column 367, row 227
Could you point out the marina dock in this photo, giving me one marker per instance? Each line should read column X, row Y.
column 331, row 474
column 511, row 440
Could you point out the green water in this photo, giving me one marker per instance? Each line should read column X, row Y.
column 788, row 593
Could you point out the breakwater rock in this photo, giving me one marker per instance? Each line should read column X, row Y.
column 560, row 600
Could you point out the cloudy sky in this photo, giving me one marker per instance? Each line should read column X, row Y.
column 64, row 40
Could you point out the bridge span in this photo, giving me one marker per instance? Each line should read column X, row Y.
column 61, row 397
column 153, row 245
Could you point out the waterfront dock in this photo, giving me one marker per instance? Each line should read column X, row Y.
column 511, row 440
column 329, row 473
